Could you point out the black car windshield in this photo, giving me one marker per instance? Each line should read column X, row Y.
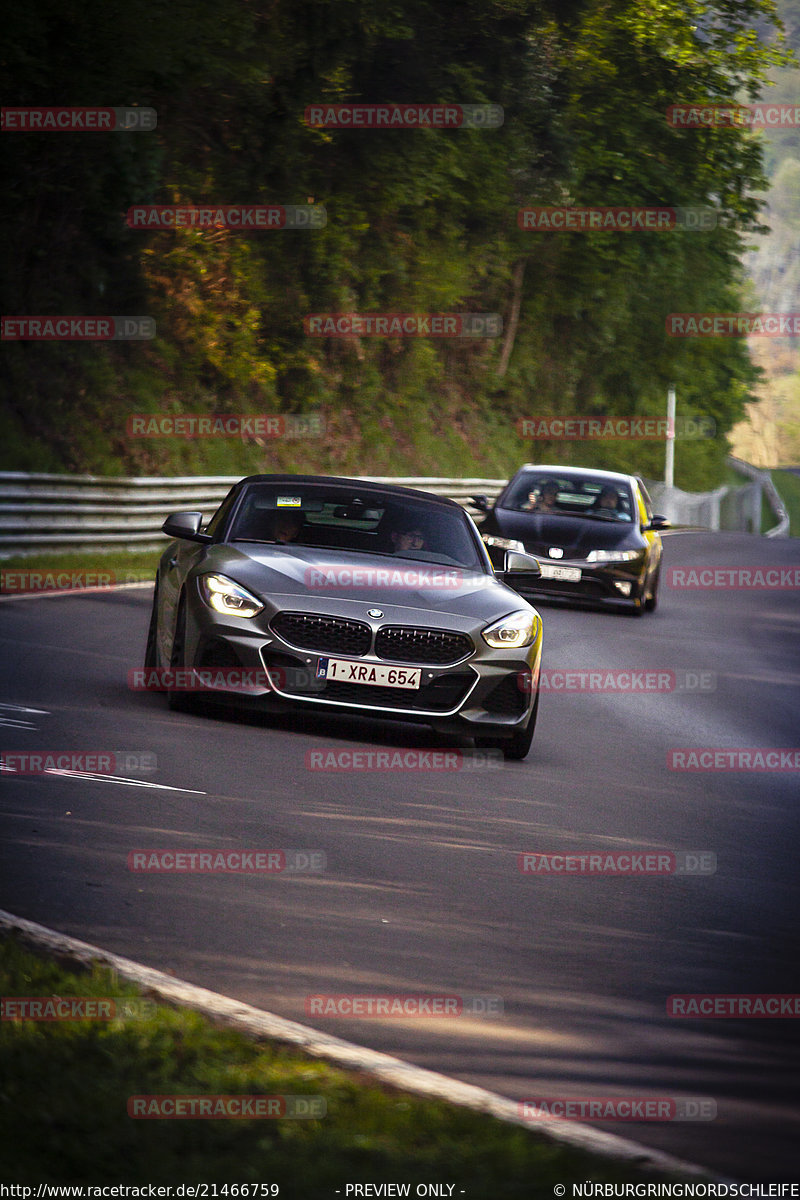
column 561, row 494
column 350, row 519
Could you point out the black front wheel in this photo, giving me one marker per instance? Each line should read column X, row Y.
column 637, row 607
column 651, row 603
column 150, row 651
column 180, row 701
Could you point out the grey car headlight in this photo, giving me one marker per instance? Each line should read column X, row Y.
column 225, row 596
column 502, row 543
column 612, row 555
column 511, row 632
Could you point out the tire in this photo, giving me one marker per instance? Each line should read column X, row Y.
column 150, row 652
column 183, row 702
column 637, row 607
column 517, row 746
column 651, row 603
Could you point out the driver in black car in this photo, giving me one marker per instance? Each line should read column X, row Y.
column 607, row 503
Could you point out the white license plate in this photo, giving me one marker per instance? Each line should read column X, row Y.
column 344, row 670
column 564, row 574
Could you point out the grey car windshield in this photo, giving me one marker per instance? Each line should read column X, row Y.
column 565, row 495
column 349, row 519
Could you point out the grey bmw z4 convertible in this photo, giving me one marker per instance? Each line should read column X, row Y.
column 313, row 593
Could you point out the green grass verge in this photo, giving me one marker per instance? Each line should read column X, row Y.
column 64, row 1087
column 787, row 485
column 93, row 567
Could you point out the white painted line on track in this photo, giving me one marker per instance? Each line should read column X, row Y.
column 96, row 777
column 394, row 1072
column 10, row 716
column 43, row 712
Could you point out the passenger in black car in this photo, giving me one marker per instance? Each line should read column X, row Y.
column 547, row 500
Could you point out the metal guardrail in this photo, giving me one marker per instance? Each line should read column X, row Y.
column 730, row 508
column 700, row 509
column 89, row 512
column 765, row 484
column 68, row 512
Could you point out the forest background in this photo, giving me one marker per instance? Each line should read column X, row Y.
column 417, row 221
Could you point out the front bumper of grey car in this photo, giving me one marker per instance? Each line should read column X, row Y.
column 287, row 654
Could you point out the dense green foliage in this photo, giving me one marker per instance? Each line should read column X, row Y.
column 418, row 221
column 771, row 434
column 787, row 485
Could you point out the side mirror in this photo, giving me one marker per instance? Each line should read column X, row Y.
column 659, row 523
column 185, row 526
column 481, row 503
column 516, row 561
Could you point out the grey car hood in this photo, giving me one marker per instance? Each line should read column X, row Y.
column 373, row 579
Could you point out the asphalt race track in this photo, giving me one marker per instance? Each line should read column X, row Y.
column 423, row 893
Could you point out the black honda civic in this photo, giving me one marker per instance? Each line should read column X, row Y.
column 594, row 532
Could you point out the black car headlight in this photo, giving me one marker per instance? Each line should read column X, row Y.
column 225, row 596
column 609, row 556
column 502, row 543
column 511, row 632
